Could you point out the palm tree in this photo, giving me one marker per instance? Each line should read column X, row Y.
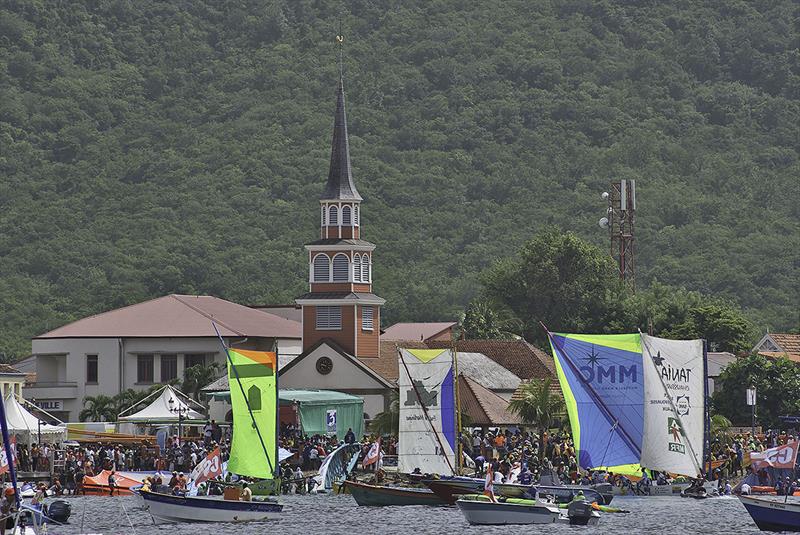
column 538, row 407
column 197, row 376
column 130, row 397
column 388, row 421
column 720, row 428
column 98, row 408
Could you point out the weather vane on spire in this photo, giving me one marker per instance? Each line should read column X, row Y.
column 340, row 40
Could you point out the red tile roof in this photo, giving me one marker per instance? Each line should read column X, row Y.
column 386, row 364
column 790, row 343
column 6, row 368
column 794, row 357
column 180, row 316
column 416, row 331
column 482, row 406
column 518, row 356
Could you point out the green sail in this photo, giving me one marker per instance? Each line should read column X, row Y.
column 254, row 447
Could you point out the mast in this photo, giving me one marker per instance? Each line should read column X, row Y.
column 12, row 471
column 277, row 413
column 459, row 450
column 706, row 414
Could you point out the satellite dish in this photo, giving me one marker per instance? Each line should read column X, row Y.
column 604, row 195
column 603, row 222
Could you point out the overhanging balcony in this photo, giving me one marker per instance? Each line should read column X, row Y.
column 51, row 390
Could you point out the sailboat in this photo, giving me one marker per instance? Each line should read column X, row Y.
column 635, row 401
column 428, row 427
column 254, row 450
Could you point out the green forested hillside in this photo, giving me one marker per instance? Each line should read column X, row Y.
column 149, row 147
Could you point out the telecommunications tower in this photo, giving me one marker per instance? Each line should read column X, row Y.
column 619, row 221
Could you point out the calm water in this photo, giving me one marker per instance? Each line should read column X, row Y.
column 340, row 515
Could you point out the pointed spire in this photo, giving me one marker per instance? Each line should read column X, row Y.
column 340, row 177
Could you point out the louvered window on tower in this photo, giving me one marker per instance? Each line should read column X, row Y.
column 365, row 268
column 357, row 268
column 341, row 268
column 322, row 269
column 366, row 318
column 355, row 215
column 333, row 216
column 329, row 318
column 324, row 213
column 346, row 216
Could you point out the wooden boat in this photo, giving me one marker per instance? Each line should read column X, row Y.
column 449, row 490
column 378, row 495
column 773, row 514
column 167, row 508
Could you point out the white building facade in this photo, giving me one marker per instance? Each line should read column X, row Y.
column 156, row 342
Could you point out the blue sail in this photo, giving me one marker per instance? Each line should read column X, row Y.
column 601, row 378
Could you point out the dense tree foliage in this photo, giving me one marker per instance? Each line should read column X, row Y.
column 151, row 147
column 565, row 284
column 777, row 383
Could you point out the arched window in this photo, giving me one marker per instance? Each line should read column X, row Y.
column 355, row 215
column 333, row 216
column 346, row 216
column 254, row 398
column 322, row 268
column 324, row 214
column 341, row 268
column 357, row 268
column 365, row 269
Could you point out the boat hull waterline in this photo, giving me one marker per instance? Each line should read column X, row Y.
column 489, row 513
column 379, row 495
column 449, row 490
column 207, row 509
column 773, row 514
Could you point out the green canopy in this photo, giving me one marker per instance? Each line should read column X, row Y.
column 321, row 411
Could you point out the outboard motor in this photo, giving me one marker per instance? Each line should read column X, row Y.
column 59, row 511
column 582, row 514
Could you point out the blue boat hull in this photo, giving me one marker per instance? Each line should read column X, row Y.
column 773, row 515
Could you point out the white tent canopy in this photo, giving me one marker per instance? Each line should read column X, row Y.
column 160, row 410
column 21, row 422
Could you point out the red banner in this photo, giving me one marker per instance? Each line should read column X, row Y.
column 781, row 457
column 208, row 468
column 4, row 457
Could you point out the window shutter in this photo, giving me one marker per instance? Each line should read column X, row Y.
column 322, row 268
column 346, row 213
column 357, row 268
column 341, row 268
column 365, row 268
column 329, row 318
column 366, row 318
column 333, row 218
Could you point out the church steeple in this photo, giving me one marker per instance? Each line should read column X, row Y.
column 340, row 305
column 340, row 184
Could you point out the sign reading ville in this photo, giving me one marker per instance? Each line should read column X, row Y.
column 50, row 404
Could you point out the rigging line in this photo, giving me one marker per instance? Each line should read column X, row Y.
column 605, row 410
column 425, row 411
column 246, row 401
column 610, row 436
column 674, row 409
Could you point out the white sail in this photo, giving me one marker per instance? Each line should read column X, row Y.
column 427, row 436
column 674, row 405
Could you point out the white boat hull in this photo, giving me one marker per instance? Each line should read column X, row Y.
column 166, row 508
column 487, row 513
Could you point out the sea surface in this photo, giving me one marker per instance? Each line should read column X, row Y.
column 339, row 514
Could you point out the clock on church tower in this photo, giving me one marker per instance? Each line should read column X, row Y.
column 340, row 305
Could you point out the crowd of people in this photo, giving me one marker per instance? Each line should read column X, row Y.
column 514, row 455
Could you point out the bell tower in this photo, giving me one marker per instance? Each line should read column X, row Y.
column 340, row 305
